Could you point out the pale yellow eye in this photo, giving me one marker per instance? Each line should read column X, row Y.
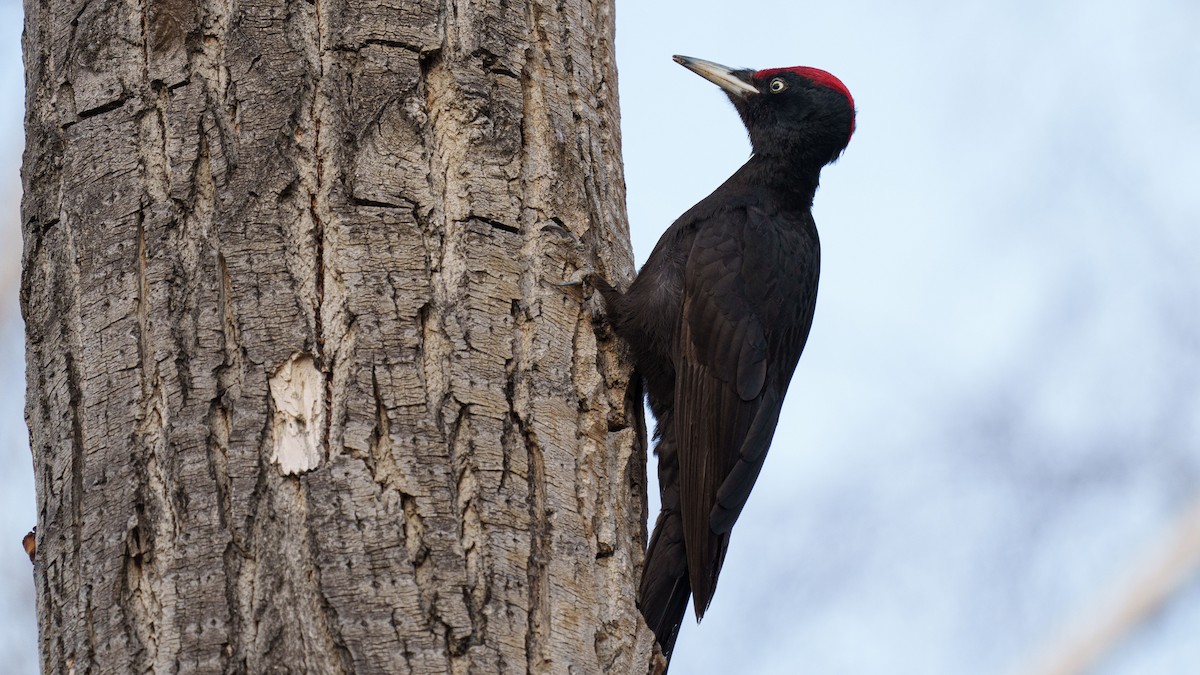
column 777, row 85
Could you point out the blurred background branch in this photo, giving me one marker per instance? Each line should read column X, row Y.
column 1155, row 581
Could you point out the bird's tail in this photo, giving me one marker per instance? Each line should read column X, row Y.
column 663, row 593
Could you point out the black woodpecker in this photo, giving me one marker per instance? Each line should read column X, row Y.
column 717, row 318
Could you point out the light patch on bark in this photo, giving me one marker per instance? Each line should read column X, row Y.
column 298, row 406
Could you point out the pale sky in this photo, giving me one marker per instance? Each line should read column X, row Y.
column 998, row 412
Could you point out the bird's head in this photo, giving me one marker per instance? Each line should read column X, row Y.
column 802, row 113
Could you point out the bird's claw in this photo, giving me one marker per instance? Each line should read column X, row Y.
column 579, row 278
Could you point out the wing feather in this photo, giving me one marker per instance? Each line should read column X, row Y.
column 731, row 374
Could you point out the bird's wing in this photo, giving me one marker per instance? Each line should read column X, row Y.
column 741, row 332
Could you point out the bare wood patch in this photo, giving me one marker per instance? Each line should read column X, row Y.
column 298, row 405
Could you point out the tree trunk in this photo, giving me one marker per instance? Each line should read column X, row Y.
column 302, row 397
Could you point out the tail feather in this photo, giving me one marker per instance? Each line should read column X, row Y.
column 664, row 590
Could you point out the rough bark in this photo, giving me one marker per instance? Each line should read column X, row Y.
column 300, row 394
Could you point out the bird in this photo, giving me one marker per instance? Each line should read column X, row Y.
column 716, row 320
column 29, row 542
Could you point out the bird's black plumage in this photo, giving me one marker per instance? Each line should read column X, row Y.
column 717, row 319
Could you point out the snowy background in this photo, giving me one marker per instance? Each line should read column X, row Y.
column 997, row 419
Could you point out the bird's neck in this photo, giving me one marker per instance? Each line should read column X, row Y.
column 787, row 175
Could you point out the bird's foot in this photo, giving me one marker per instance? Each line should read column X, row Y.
column 555, row 226
column 581, row 277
